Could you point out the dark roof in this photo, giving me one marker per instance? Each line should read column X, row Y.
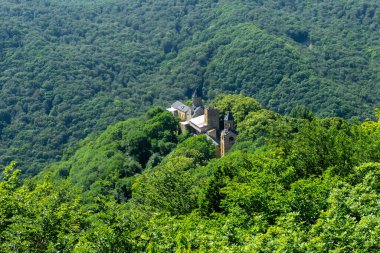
column 229, row 116
column 196, row 94
column 180, row 106
column 198, row 111
column 215, row 142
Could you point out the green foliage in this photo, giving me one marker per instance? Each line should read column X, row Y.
column 238, row 105
column 198, row 148
column 138, row 145
column 289, row 185
column 71, row 68
column 171, row 187
column 45, row 217
column 263, row 125
column 301, row 112
column 106, row 165
column 308, row 198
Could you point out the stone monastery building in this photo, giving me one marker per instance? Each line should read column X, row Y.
column 198, row 119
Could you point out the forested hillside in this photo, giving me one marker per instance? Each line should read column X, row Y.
column 71, row 68
column 296, row 183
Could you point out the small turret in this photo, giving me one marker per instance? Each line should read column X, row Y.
column 197, row 98
column 229, row 122
column 228, row 135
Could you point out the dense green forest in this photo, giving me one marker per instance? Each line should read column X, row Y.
column 71, row 68
column 295, row 183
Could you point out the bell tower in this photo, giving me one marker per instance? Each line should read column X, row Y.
column 229, row 122
column 228, row 135
column 197, row 98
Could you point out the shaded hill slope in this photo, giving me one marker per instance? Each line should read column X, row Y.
column 289, row 184
column 70, row 69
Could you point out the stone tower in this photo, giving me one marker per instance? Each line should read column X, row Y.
column 229, row 123
column 212, row 118
column 228, row 135
column 197, row 98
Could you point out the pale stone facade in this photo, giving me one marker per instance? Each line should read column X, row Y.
column 198, row 119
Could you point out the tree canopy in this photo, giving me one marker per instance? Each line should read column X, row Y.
column 290, row 184
column 72, row 68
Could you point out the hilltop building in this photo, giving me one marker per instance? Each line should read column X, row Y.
column 199, row 119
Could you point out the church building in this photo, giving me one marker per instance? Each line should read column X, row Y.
column 199, row 119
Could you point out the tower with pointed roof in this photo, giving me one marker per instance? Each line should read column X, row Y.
column 229, row 121
column 228, row 135
column 197, row 98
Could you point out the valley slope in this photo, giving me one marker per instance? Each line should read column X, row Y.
column 294, row 183
column 69, row 69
